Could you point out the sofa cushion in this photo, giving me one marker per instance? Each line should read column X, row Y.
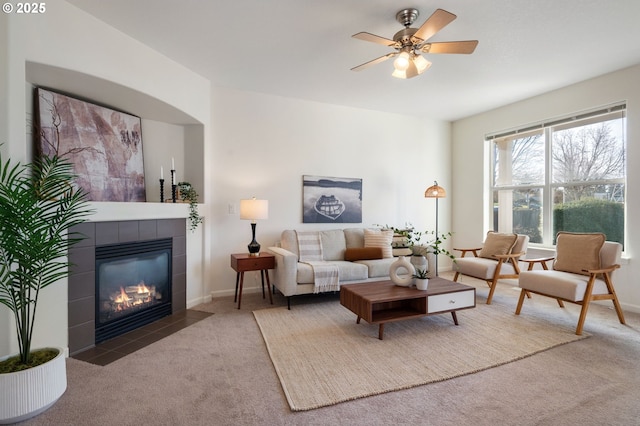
column 578, row 252
column 354, row 237
column 379, row 238
column 497, row 243
column 333, row 244
column 378, row 267
column 363, row 253
column 347, row 271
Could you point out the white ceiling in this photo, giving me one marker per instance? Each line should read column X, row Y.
column 303, row 48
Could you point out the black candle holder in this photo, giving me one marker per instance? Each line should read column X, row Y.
column 173, row 185
column 162, row 190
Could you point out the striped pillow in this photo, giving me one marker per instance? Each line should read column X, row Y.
column 379, row 238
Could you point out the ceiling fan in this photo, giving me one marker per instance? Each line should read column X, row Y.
column 411, row 42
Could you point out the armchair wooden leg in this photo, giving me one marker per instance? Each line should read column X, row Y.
column 492, row 286
column 560, row 303
column 614, row 298
column 583, row 316
column 521, row 301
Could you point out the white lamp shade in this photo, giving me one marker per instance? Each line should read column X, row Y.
column 254, row 209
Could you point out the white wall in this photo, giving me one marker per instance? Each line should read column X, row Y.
column 469, row 192
column 263, row 145
column 253, row 145
column 69, row 50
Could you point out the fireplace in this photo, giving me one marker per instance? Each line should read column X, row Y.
column 100, row 236
column 133, row 285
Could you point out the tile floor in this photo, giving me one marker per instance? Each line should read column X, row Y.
column 113, row 349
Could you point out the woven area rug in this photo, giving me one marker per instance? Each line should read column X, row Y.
column 322, row 357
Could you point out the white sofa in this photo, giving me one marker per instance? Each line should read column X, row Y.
column 293, row 277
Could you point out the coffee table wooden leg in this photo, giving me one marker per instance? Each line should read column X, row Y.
column 358, row 320
column 455, row 317
column 381, row 331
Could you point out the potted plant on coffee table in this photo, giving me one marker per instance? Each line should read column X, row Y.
column 38, row 206
column 421, row 278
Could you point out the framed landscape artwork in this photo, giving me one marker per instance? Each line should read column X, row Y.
column 104, row 145
column 331, row 200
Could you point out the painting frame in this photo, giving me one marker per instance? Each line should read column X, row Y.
column 331, row 199
column 104, row 144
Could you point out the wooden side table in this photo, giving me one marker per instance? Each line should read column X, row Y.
column 242, row 262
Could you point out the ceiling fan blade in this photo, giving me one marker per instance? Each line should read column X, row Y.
column 374, row 38
column 465, row 47
column 437, row 21
column 374, row 61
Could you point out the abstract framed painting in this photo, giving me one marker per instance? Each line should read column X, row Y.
column 331, row 200
column 104, row 145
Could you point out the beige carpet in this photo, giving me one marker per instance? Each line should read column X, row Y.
column 322, row 357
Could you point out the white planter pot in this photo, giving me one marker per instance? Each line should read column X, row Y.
column 25, row 394
column 422, row 283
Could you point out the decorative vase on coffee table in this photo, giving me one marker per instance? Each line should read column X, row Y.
column 402, row 280
column 419, row 262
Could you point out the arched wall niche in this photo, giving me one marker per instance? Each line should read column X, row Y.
column 167, row 132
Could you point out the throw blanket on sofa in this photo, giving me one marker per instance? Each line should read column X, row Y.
column 325, row 275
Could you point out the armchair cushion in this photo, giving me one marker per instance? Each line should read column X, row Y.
column 561, row 284
column 578, row 252
column 481, row 268
column 497, row 243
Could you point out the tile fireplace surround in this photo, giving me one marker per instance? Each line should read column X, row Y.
column 81, row 293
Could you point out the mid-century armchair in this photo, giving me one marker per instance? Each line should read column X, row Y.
column 582, row 271
column 497, row 259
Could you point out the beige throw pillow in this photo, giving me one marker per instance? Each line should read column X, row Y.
column 578, row 252
column 379, row 238
column 497, row 243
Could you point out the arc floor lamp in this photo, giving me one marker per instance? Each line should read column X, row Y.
column 437, row 192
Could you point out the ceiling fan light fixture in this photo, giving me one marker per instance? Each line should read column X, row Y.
column 421, row 63
column 402, row 61
column 399, row 74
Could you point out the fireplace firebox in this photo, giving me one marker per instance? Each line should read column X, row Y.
column 133, row 286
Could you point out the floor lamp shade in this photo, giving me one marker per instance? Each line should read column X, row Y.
column 437, row 192
column 253, row 210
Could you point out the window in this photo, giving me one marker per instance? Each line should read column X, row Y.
column 564, row 175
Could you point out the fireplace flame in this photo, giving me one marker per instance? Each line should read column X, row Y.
column 133, row 296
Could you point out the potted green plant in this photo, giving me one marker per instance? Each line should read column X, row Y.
column 38, row 206
column 421, row 277
column 188, row 194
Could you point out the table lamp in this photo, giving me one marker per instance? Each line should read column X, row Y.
column 253, row 210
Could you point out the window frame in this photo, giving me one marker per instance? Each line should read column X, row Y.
column 548, row 187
